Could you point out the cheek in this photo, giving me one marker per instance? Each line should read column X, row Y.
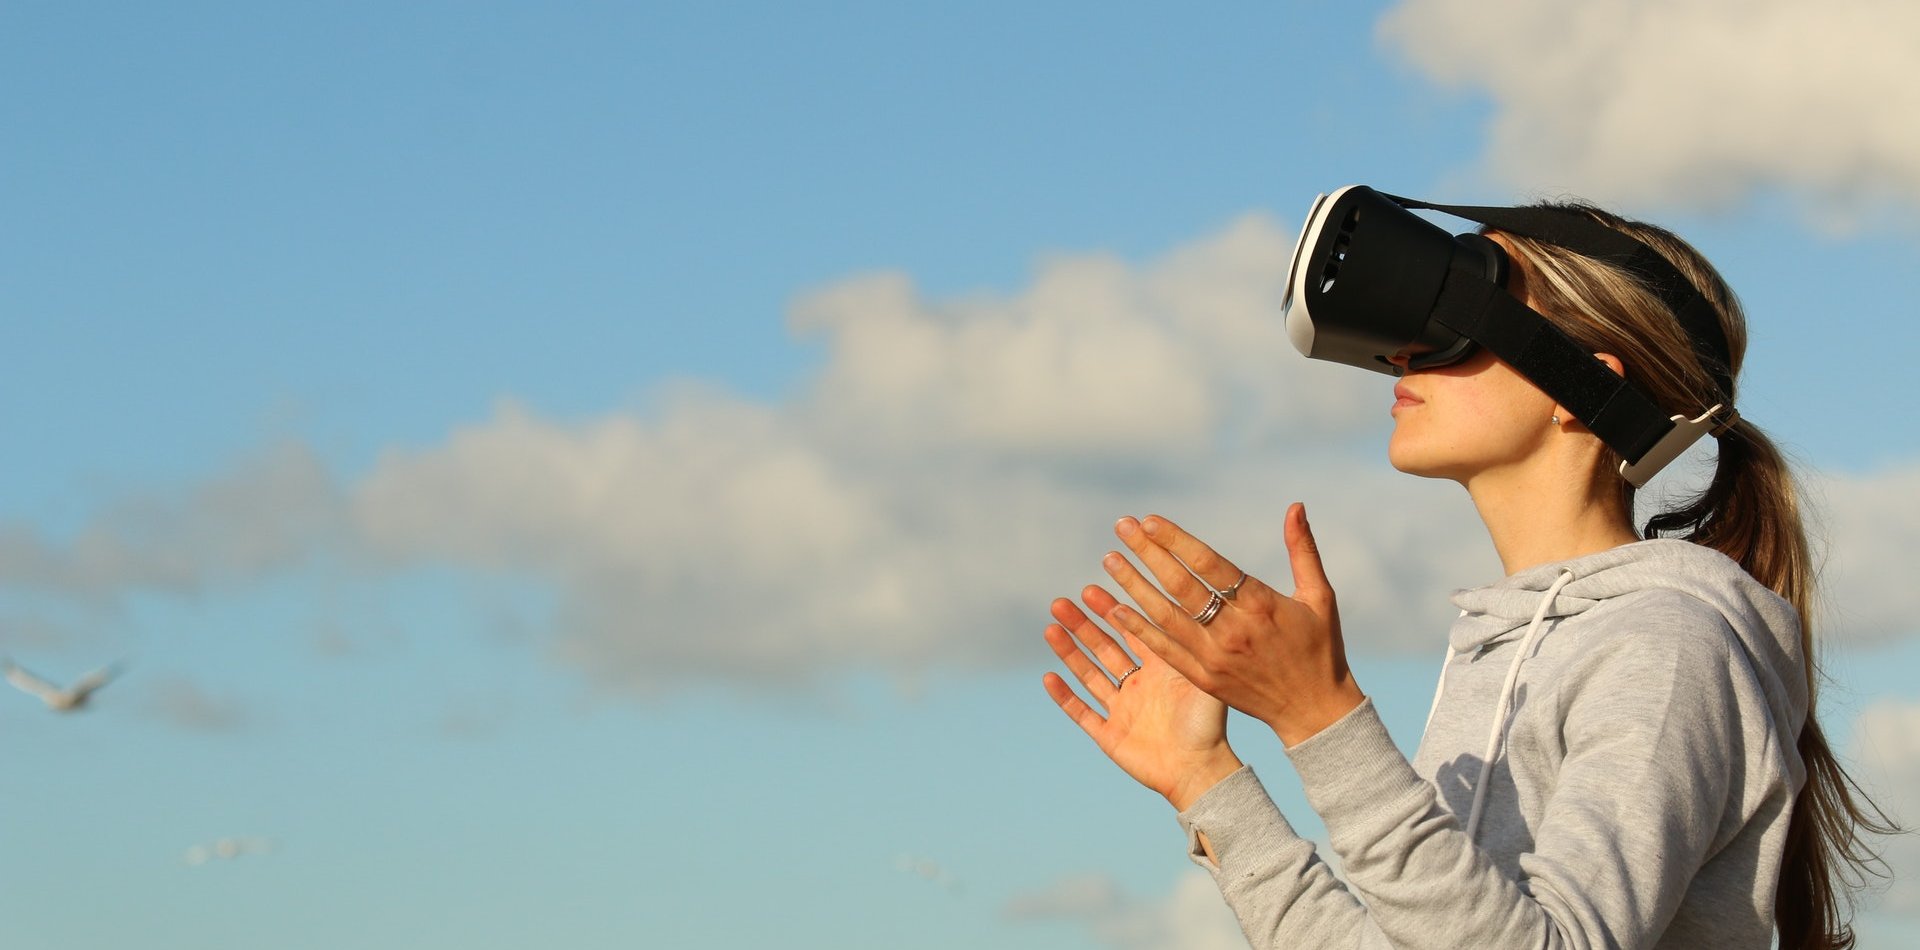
column 1508, row 415
column 1500, row 404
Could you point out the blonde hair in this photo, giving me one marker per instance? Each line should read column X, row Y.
column 1750, row 511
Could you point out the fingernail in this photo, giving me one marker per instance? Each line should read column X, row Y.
column 1154, row 526
column 1125, row 526
column 1112, row 561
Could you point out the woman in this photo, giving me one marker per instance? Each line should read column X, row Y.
column 1622, row 751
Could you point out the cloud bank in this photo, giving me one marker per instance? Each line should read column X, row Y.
column 954, row 465
column 1684, row 102
column 1868, row 524
column 1887, row 739
column 1191, row 917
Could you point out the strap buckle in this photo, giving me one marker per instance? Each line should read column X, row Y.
column 1682, row 436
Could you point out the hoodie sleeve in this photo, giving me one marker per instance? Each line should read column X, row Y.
column 1636, row 806
column 1282, row 892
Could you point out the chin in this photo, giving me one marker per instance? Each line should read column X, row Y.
column 1402, row 462
column 1403, row 455
column 1413, row 468
column 1407, row 457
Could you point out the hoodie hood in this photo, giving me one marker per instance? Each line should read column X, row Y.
column 1766, row 625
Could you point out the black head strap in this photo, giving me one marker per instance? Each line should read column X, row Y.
column 1581, row 234
column 1613, row 409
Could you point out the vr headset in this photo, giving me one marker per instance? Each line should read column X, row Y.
column 1371, row 280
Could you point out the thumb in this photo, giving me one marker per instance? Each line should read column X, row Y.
column 1309, row 575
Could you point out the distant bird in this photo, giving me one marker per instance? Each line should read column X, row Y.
column 226, row 849
column 928, row 869
column 60, row 699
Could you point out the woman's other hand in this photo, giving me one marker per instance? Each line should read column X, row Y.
column 1158, row 728
column 1276, row 658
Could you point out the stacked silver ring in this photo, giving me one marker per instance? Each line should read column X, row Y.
column 1217, row 600
column 1215, row 604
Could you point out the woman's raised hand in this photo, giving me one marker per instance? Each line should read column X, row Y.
column 1276, row 658
column 1170, row 737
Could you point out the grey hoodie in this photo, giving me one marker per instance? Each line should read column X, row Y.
column 1640, row 791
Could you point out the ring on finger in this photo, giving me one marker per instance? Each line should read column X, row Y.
column 1231, row 589
column 1215, row 603
column 1122, row 681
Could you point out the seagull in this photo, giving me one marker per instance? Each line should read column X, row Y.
column 928, row 869
column 226, row 849
column 59, row 699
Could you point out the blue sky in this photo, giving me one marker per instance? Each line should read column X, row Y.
column 596, row 472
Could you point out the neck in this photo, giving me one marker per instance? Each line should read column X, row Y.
column 1544, row 513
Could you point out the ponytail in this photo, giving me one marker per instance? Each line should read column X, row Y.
column 1750, row 512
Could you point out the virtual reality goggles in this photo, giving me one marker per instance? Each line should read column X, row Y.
column 1371, row 280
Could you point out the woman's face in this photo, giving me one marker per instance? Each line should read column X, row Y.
column 1474, row 416
column 1460, row 420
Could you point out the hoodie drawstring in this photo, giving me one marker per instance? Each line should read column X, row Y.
column 1496, row 736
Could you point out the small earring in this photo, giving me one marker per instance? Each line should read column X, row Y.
column 1556, row 420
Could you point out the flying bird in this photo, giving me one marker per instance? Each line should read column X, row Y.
column 58, row 698
column 928, row 869
column 226, row 849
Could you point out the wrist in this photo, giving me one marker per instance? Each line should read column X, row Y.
column 1300, row 724
column 1196, row 781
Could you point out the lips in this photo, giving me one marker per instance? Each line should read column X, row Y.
column 1404, row 397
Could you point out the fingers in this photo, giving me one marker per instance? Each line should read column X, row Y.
column 1104, row 605
column 1071, row 704
column 1217, row 572
column 1176, row 577
column 1115, row 660
column 1074, row 625
column 1091, row 676
column 1163, row 612
column 1162, row 626
column 1126, row 622
column 1144, row 635
column 1134, row 644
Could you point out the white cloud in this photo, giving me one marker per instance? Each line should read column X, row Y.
column 1096, row 359
column 1870, row 531
column 270, row 513
column 955, row 464
column 1691, row 102
column 1887, row 739
column 1191, row 917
